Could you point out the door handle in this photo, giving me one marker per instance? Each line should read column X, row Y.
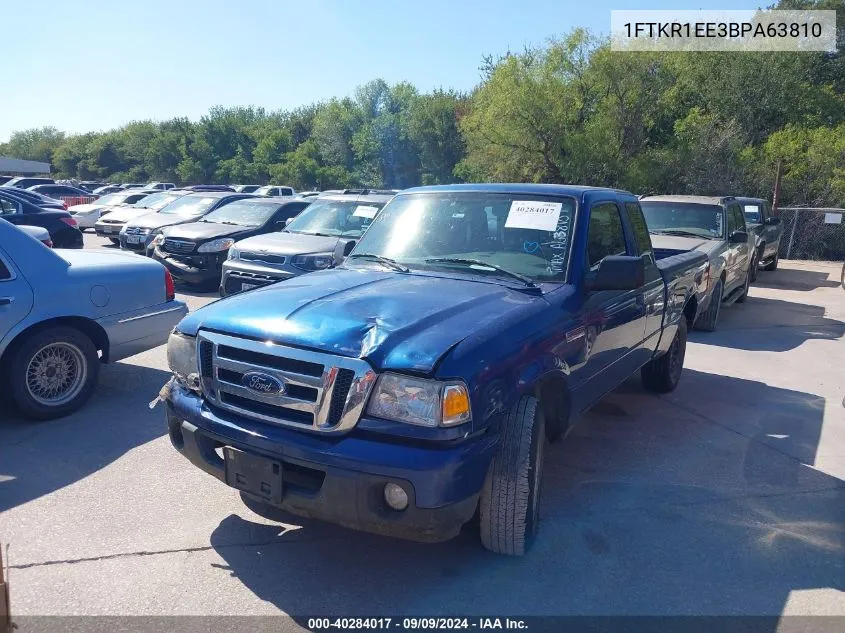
column 5, row 301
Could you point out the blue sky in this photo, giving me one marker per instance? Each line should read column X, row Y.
column 96, row 64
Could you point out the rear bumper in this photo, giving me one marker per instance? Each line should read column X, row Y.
column 133, row 332
column 342, row 480
column 67, row 238
column 107, row 230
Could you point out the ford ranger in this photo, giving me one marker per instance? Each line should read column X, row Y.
column 414, row 385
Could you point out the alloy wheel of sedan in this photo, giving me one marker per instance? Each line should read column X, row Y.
column 56, row 373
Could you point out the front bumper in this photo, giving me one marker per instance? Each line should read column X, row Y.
column 85, row 220
column 342, row 480
column 208, row 271
column 137, row 247
column 107, row 230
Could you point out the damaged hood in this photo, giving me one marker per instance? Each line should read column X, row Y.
column 393, row 320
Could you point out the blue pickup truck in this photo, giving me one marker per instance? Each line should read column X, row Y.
column 415, row 385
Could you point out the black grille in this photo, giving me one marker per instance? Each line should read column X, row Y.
column 300, row 392
column 206, row 363
column 178, row 246
column 341, row 389
column 267, row 409
column 276, row 362
column 264, row 257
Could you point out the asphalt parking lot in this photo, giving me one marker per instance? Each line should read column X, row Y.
column 725, row 497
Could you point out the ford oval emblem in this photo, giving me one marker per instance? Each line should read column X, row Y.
column 262, row 383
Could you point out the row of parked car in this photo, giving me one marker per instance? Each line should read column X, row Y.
column 437, row 336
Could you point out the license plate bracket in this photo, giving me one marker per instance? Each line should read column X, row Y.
column 256, row 475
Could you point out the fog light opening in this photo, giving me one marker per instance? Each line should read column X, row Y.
column 395, row 497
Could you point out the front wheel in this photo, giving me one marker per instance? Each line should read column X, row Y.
column 509, row 507
column 748, row 279
column 114, row 241
column 54, row 373
column 710, row 318
column 773, row 265
column 661, row 375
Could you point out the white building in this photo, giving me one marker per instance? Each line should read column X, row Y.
column 19, row 166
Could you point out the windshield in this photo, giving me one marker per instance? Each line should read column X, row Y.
column 526, row 235
column 112, row 199
column 340, row 218
column 242, row 212
column 156, row 200
column 701, row 220
column 752, row 213
column 188, row 206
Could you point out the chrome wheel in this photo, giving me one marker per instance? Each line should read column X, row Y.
column 56, row 374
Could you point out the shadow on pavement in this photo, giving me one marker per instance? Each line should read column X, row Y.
column 771, row 325
column 37, row 458
column 795, row 279
column 650, row 507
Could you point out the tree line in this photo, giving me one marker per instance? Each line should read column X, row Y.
column 568, row 111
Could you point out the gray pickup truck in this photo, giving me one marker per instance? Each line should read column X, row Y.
column 63, row 312
column 714, row 225
column 767, row 230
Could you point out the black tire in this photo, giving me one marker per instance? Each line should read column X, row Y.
column 510, row 499
column 756, row 268
column 662, row 374
column 66, row 348
column 114, row 241
column 707, row 322
column 773, row 265
column 744, row 295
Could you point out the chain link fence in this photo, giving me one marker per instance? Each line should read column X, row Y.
column 813, row 233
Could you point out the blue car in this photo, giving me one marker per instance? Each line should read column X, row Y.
column 64, row 312
column 417, row 383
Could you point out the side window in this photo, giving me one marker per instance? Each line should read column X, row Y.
column 7, row 207
column 732, row 225
column 604, row 236
column 4, row 271
column 739, row 219
column 637, row 220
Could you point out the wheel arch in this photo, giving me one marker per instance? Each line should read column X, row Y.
column 553, row 393
column 89, row 327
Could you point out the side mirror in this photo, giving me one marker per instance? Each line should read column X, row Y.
column 772, row 221
column 738, row 237
column 288, row 221
column 617, row 272
column 342, row 249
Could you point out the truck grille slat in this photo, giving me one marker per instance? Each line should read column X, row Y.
column 319, row 392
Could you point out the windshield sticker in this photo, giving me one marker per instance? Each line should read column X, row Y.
column 363, row 211
column 533, row 214
column 559, row 244
column 530, row 247
column 718, row 230
column 751, row 208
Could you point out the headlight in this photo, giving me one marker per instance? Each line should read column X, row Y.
column 182, row 358
column 420, row 401
column 234, row 253
column 319, row 261
column 158, row 239
column 217, row 245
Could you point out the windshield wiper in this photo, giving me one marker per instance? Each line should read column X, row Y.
column 681, row 233
column 477, row 262
column 390, row 263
